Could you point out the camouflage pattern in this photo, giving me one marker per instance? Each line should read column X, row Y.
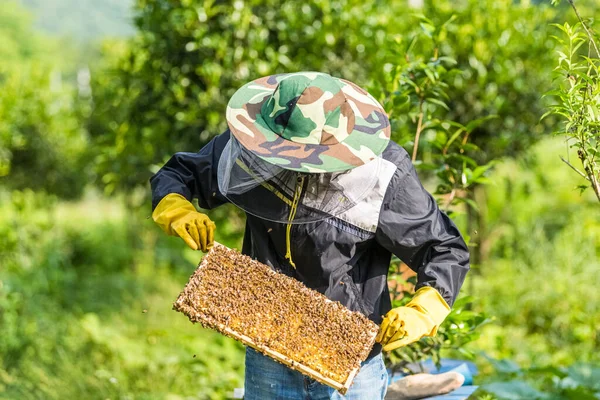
column 308, row 122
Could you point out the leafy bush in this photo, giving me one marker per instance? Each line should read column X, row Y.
column 538, row 275
column 415, row 94
column 84, row 316
column 578, row 95
column 18, row 40
column 578, row 381
column 42, row 142
column 506, row 61
column 167, row 89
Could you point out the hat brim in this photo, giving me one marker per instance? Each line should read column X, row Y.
column 366, row 141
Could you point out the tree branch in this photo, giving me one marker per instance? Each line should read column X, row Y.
column 585, row 28
column 595, row 185
column 449, row 200
column 574, row 168
column 418, row 134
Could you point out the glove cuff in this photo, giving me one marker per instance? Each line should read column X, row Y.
column 172, row 207
column 429, row 301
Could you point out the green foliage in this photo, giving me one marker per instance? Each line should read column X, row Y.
column 576, row 382
column 416, row 92
column 169, row 89
column 505, row 61
column 41, row 139
column 539, row 276
column 103, row 325
column 18, row 41
column 578, row 99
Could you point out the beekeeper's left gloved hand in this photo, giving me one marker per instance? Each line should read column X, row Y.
column 422, row 316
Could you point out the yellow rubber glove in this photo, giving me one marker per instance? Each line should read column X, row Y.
column 422, row 316
column 178, row 217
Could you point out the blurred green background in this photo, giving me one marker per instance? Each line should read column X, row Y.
column 95, row 96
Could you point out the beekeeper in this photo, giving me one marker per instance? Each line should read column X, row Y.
column 328, row 199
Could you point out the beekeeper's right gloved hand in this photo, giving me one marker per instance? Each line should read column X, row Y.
column 178, row 217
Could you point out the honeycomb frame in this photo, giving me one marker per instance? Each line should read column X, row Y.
column 277, row 316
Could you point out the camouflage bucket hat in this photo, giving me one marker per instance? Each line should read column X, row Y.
column 308, row 122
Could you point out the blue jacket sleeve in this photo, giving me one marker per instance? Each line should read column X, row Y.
column 192, row 175
column 412, row 227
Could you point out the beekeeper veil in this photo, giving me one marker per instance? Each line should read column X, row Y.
column 276, row 194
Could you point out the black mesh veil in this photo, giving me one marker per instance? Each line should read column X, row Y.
column 268, row 191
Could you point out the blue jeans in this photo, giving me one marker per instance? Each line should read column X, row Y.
column 267, row 379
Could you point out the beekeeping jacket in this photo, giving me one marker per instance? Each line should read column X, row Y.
column 343, row 252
